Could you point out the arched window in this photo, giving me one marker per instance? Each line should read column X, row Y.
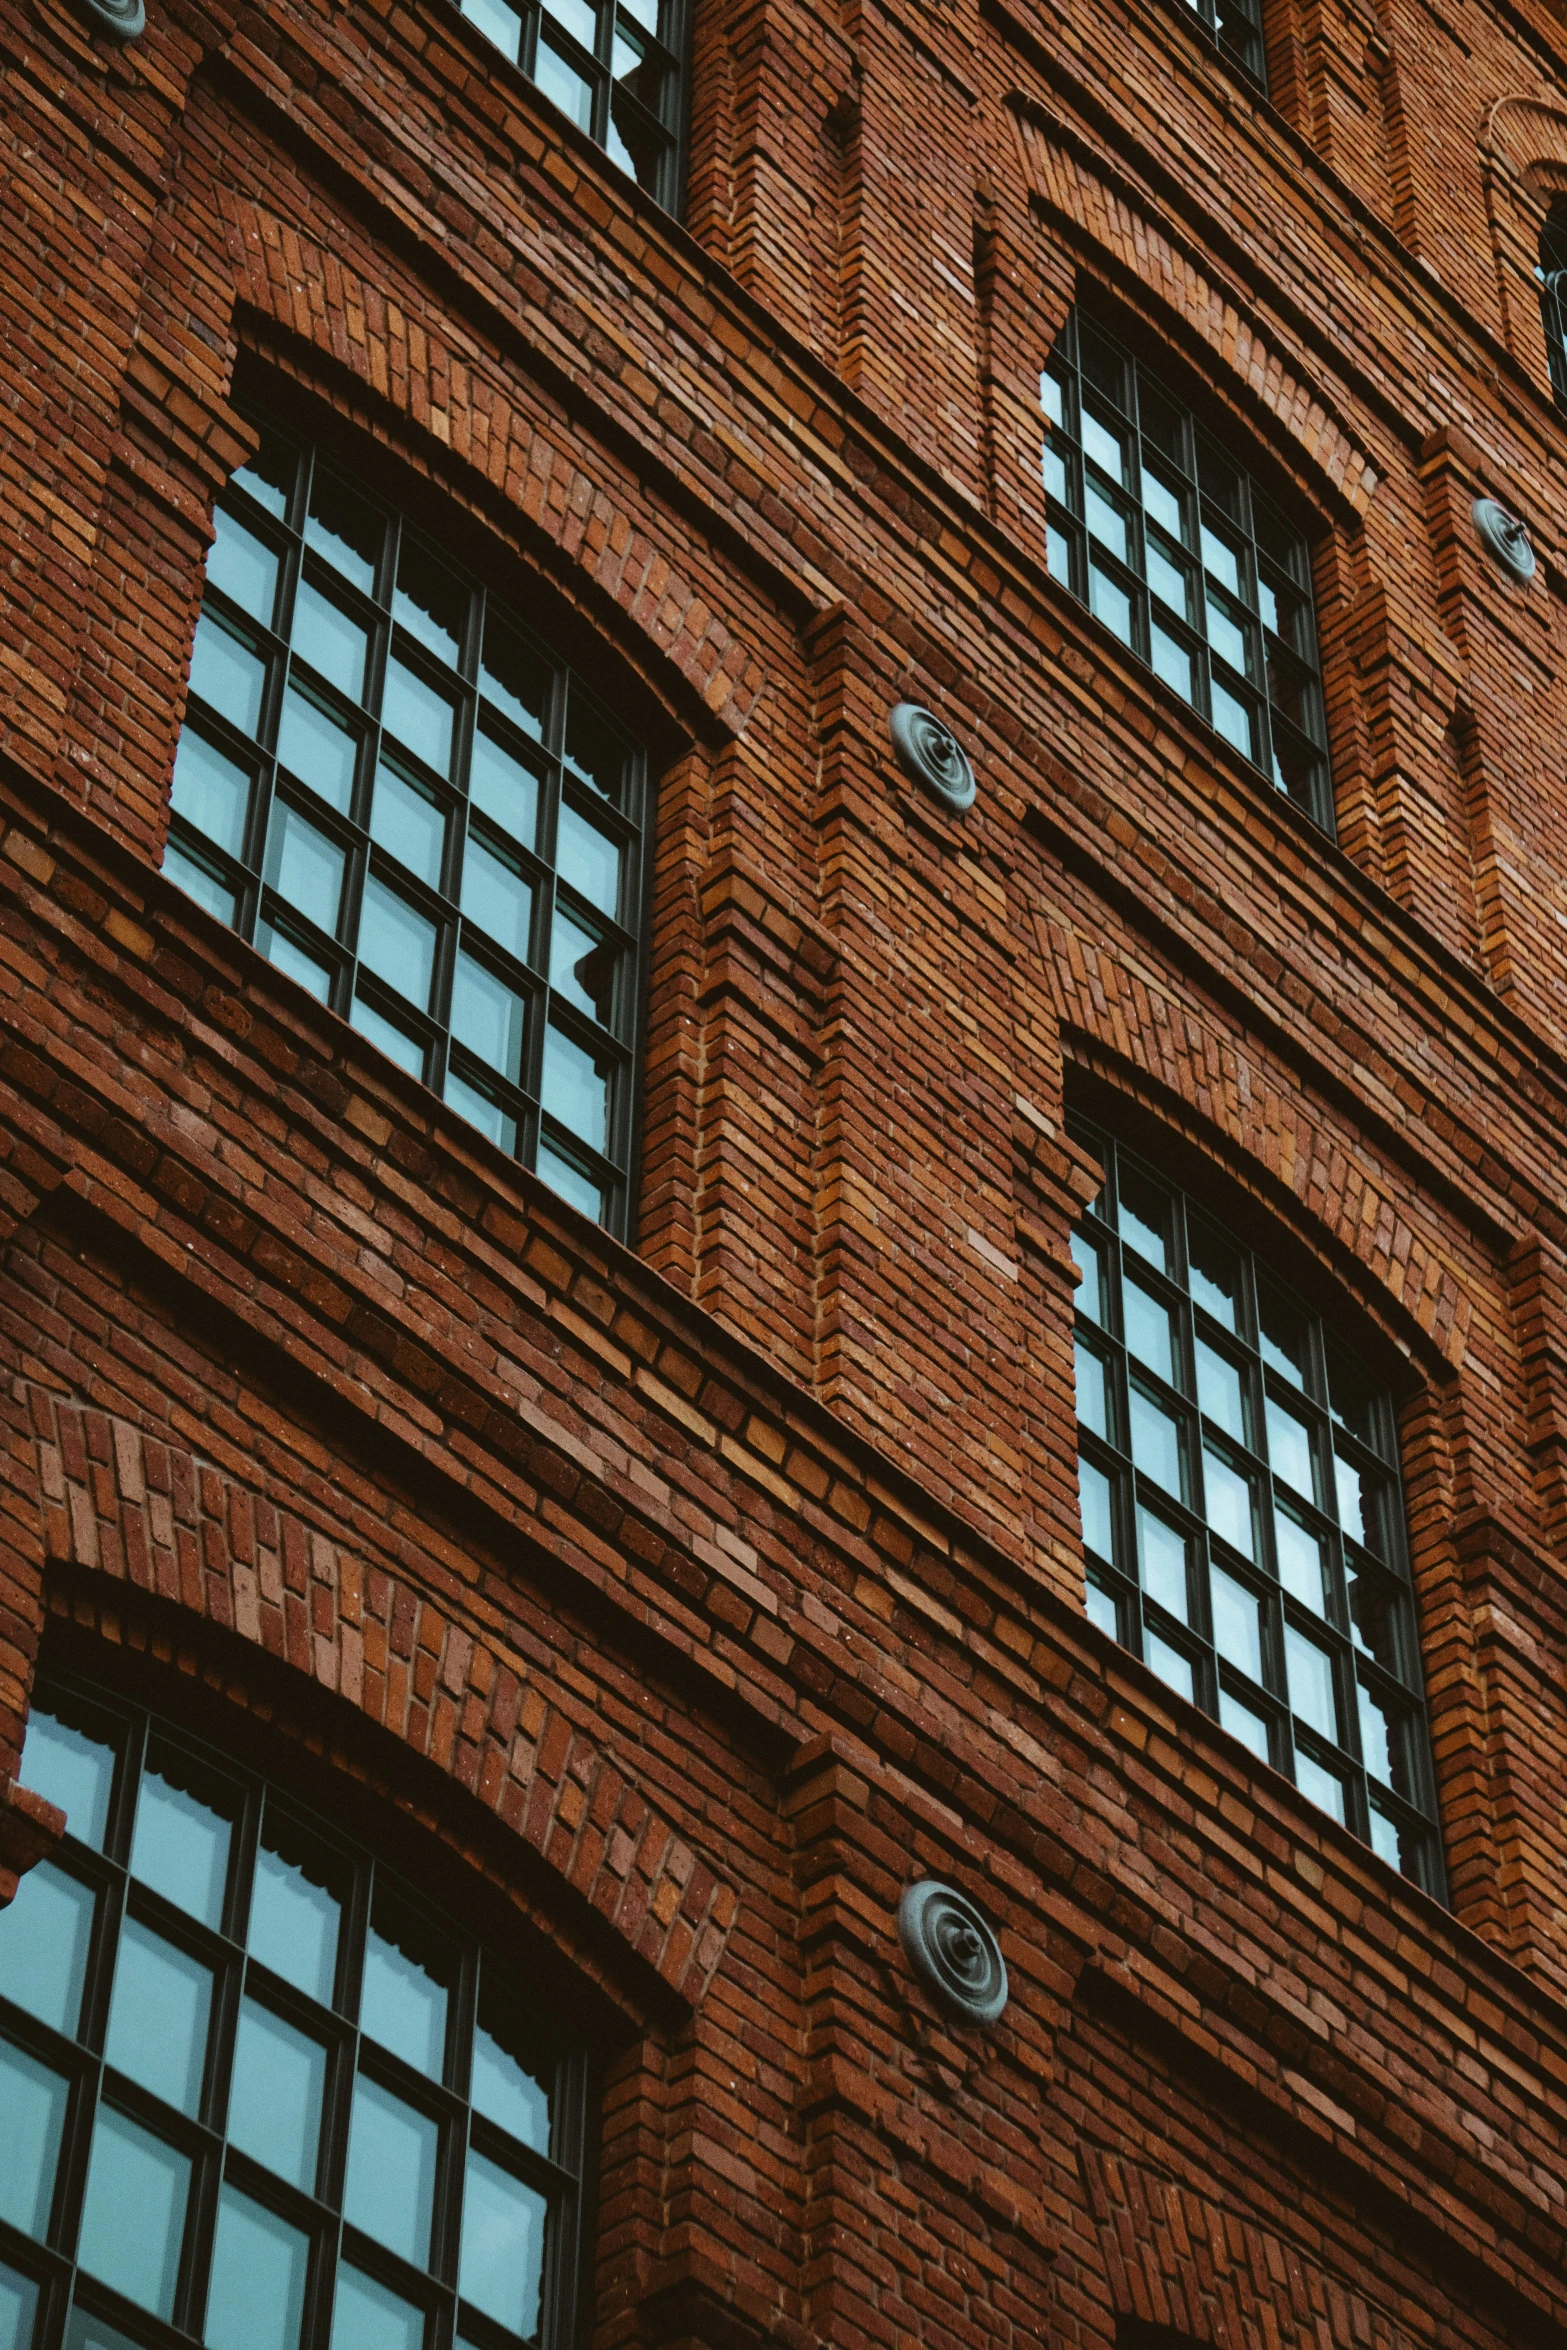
column 1242, row 1511
column 416, row 810
column 617, row 67
column 255, row 2093
column 1171, row 544
column 1552, row 276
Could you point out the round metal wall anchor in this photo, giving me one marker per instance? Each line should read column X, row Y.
column 932, row 754
column 954, row 1951
column 1505, row 538
column 125, row 19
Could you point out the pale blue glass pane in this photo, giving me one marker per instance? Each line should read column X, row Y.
column 1289, row 1448
column 507, row 2093
column 72, row 1770
column 18, row 2308
column 1161, row 1557
column 1283, row 1334
column 1167, row 579
column 1350, row 1486
column 565, row 85
column 1310, row 1682
column 575, row 1088
column 305, row 867
column 580, row 19
column 430, row 602
column 571, row 1183
column 403, row 2006
column 1107, row 449
column 1052, row 399
column 1148, row 1331
column 397, row 942
column 418, row 715
column 294, row 961
column 198, row 883
column 1220, row 560
column 497, row 898
column 365, row 2316
column 1156, row 1442
column 1092, row 1402
column 1385, row 1839
column 506, row 791
column 1053, row 467
column 1219, row 1391
column 1214, row 1274
column 502, row 2246
column 32, row 2102
column 43, row 1946
column 294, row 1921
column 409, row 825
column 581, row 969
column 1109, row 602
column 158, row 2016
column 275, row 2100
column 1105, row 522
column 489, row 1017
column 1143, row 1218
column 1100, row 1609
column 1232, row 719
column 498, row 23
column 390, row 2191
column 1323, row 1788
column 1240, row 1721
column 515, row 678
column 1090, row 1298
column 313, row 745
column 181, row 1848
column 345, row 530
column 1302, row 1566
column 1226, row 636
column 1058, row 554
column 227, row 674
column 480, row 1111
column 1379, row 1741
column 1093, row 1494
column 211, row 792
column 387, row 1037
column 1172, row 660
column 588, row 861
column 257, row 2294
column 1229, row 1504
column 1169, row 1664
column 1237, row 1624
column 269, row 477
column 1165, row 507
column 243, row 566
column 332, row 642
column 134, row 2214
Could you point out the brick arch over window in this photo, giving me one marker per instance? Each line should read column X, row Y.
column 138, row 1511
column 1523, row 153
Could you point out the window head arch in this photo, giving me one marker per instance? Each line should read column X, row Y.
column 1242, row 1509
column 259, row 2095
column 415, row 808
column 1552, row 277
column 1171, row 544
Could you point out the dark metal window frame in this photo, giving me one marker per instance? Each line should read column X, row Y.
column 1551, row 278
column 564, row 2177
column 1235, row 29
column 1118, row 1598
column 1094, row 391
column 247, row 879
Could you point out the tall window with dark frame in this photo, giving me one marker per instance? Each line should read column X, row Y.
column 256, row 2095
column 415, row 809
column 1242, row 1509
column 617, row 67
column 1171, row 544
column 1235, row 29
column 1552, row 278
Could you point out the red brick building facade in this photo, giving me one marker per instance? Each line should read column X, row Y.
column 654, row 1570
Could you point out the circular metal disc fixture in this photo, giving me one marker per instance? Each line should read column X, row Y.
column 125, row 19
column 931, row 753
column 1504, row 538
column 953, row 1949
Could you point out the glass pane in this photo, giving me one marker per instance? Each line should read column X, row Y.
column 1311, row 1682
column 1237, row 1624
column 1144, row 1218
column 344, row 529
column 1352, row 1398
column 335, row 645
column 1092, row 1401
column 403, row 2004
column 198, row 881
column 1282, row 1331
column 1150, row 1332
column 1107, row 446
column 502, row 2246
column 430, row 601
column 1235, row 720
column 596, row 749
column 419, row 716
column 1105, row 520
column 318, row 748
column 1215, row 1274
column 1161, row 1556
column 211, row 792
column 1110, row 602
column 133, row 2217
column 1385, row 1839
column 1163, row 503
column 1242, row 1723
column 409, row 826
column 1058, row 554
column 1360, row 1504
column 1289, row 1447
column 1090, row 1288
column 1101, row 1610
column 43, row 1945
column 305, row 867
column 1221, row 561
column 227, row 674
column 505, row 790
column 588, row 861
column 575, row 1088
column 296, row 961
column 1093, row 1494
column 1303, row 1564
column 1323, row 1788
column 489, row 1017
column 275, row 2100
column 269, row 477
column 390, row 2189
column 158, row 2016
column 365, row 2316
column 1169, row 1664
column 1227, row 636
column 504, row 2089
column 71, row 1769
column 387, row 1037
column 1220, row 1392
column 1053, row 468
column 1172, row 660
column 515, row 678
column 257, row 2294
column 1381, row 1738
column 181, row 1845
column 562, row 82
column 495, row 895
column 579, row 1189
column 1163, row 423
column 243, row 566
column 1156, row 1442
column 397, row 942
column 580, row 19
column 582, row 968
column 1230, row 1503
column 1374, row 1612
column 33, row 2101
column 1102, row 364
column 498, row 23
column 18, row 2308
column 1052, row 398
column 481, row 1111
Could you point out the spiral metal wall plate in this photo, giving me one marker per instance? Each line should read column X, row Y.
column 953, row 1949
column 1504, row 538
column 931, row 753
column 125, row 19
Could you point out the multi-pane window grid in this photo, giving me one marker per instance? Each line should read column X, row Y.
column 1235, row 29
column 1553, row 317
column 420, row 814
column 1242, row 1511
column 616, row 70
column 255, row 2096
column 1170, row 544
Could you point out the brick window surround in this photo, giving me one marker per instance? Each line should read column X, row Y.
column 616, row 67
column 410, row 805
column 258, row 2094
column 1174, row 548
column 1242, row 1509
